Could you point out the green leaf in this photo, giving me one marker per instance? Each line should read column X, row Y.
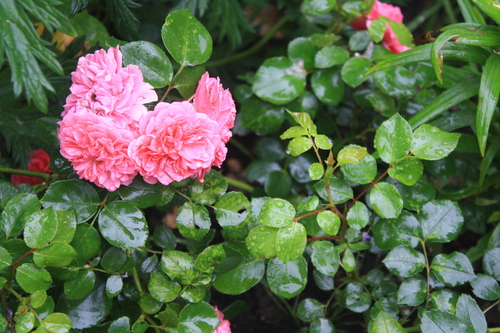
column 485, row 287
column 199, row 317
column 358, row 302
column 393, row 139
column 310, row 309
column 144, row 195
column 441, row 221
column 287, row 279
column 38, row 298
column 259, row 170
column 330, row 56
column 16, row 212
column 489, row 92
column 208, row 192
column 261, row 117
column 241, row 278
column 261, row 242
column 358, row 216
column 187, row 80
column 123, row 225
column 317, row 7
column 120, row 325
column 292, row 132
column 277, row 213
column 412, row 291
column 72, row 194
column 470, row 314
column 414, row 197
column 360, row 173
column 299, row 145
column 452, row 269
column 325, row 257
column 302, row 49
column 194, row 294
column 395, row 82
column 443, row 299
column 86, row 243
column 404, row 261
column 80, row 286
column 353, row 71
column 278, row 184
column 386, row 200
column 193, row 220
column 152, row 61
column 66, row 226
column 164, row 237
column 403, row 230
column 232, row 209
column 162, row 288
column 329, row 222
column 430, row 143
column 359, row 41
column 339, row 190
column 323, row 142
column 489, row 8
column 321, row 325
column 279, row 80
column 291, row 242
column 7, row 192
column 5, row 259
column 25, row 322
column 376, row 29
column 328, row 86
column 316, row 171
column 437, row 321
column 351, row 155
column 407, row 170
column 32, row 278
column 212, row 255
column 114, row 285
column 114, row 260
column 179, row 266
column 41, row 228
column 491, row 263
column 186, row 39
column 385, row 323
column 57, row 254
column 148, row 304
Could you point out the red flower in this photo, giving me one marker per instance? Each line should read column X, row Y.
column 39, row 162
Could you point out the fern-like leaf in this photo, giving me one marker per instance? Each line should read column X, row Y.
column 119, row 12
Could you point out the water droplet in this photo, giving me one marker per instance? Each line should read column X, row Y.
column 440, row 152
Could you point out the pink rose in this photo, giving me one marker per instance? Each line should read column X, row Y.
column 175, row 143
column 218, row 104
column 393, row 13
column 102, row 86
column 97, row 149
column 39, row 162
column 224, row 326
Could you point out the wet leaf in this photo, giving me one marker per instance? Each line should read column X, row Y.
column 291, row 242
column 241, row 278
column 329, row 222
column 277, row 213
column 179, row 266
column 353, row 71
column 325, row 257
column 16, row 212
column 470, row 314
column 386, row 200
column 437, row 321
column 361, row 173
column 393, row 139
column 385, row 323
column 193, row 220
column 485, row 287
column 403, row 230
column 358, row 216
column 491, row 263
column 57, row 254
column 32, row 278
column 412, row 291
column 162, row 288
column 80, row 286
column 309, row 309
column 430, row 143
column 404, row 261
column 261, row 242
column 339, row 190
column 328, row 86
column 407, row 170
column 452, row 269
column 41, row 228
column 302, row 49
column 330, row 56
column 287, row 279
column 441, row 221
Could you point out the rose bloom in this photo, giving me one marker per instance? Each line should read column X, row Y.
column 393, row 13
column 224, row 326
column 97, row 150
column 39, row 162
column 102, row 86
column 218, row 104
column 175, row 143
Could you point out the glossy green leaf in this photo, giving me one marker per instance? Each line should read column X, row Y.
column 261, row 242
column 291, row 242
column 358, row 216
column 114, row 285
column 489, row 92
column 377, row 29
column 317, row 7
column 414, row 197
column 57, row 254
column 330, row 56
column 323, row 142
column 404, row 261
column 32, row 278
column 114, row 259
column 66, row 226
column 443, row 299
column 152, row 61
column 38, row 298
column 299, row 145
column 206, row 260
column 386, row 200
column 328, row 86
column 292, row 132
column 407, row 170
column 395, row 82
column 179, row 266
column 41, row 228
column 186, row 39
column 470, row 13
column 353, row 71
column 148, row 304
column 309, row 309
column 489, row 8
column 261, row 117
column 412, row 291
column 351, row 155
column 72, row 194
column 80, row 286
column 144, row 195
column 162, row 288
column 329, row 222
column 324, row 282
column 208, row 192
column 232, row 209
column 491, row 263
column 298, row 168
column 470, row 314
column 385, row 323
column 86, row 243
column 193, row 220
column 16, row 212
column 325, row 257
column 241, row 278
column 452, row 269
column 339, row 190
column 278, row 184
column 199, row 317
column 279, row 80
column 287, row 279
column 441, row 221
column 316, row 171
column 321, row 325
column 302, row 49
column 393, row 139
column 123, row 225
column 164, row 237
column 359, row 40
column 358, row 301
column 120, row 325
column 5, row 259
column 348, row 261
column 437, row 321
column 25, row 322
column 430, row 143
column 277, row 213
column 194, row 294
column 7, row 192
column 186, row 81
column 403, row 230
column 485, row 287
column 361, row 173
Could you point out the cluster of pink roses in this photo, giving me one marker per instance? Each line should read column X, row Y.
column 393, row 13
column 109, row 136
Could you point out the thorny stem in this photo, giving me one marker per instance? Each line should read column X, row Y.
column 44, row 176
column 253, row 49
